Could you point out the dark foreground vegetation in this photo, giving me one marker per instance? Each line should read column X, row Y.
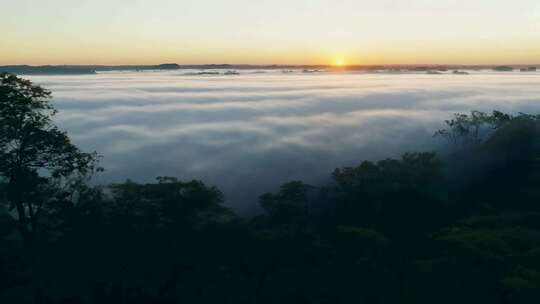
column 463, row 227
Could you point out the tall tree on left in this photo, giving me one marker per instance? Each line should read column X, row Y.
column 33, row 151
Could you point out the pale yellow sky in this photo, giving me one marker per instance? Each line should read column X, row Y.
column 270, row 32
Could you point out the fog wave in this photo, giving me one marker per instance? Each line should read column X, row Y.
column 248, row 133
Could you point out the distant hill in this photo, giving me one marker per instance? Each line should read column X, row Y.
column 92, row 69
column 46, row 70
column 79, row 69
column 167, row 66
column 503, row 68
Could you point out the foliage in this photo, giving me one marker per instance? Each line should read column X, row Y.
column 289, row 205
column 168, row 202
column 463, row 227
column 466, row 129
column 35, row 155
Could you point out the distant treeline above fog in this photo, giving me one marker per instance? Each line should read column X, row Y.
column 92, row 69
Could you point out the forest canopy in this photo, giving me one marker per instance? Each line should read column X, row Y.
column 461, row 226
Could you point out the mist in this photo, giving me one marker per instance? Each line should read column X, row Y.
column 249, row 133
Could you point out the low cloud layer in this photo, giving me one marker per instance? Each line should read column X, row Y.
column 249, row 133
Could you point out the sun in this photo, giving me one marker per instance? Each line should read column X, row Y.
column 339, row 61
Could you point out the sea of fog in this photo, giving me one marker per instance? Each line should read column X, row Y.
column 249, row 133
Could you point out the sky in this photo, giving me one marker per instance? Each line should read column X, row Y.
column 270, row 31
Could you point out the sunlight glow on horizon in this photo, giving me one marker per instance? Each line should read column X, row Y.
column 339, row 61
column 270, row 32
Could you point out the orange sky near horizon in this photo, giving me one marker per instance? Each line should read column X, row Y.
column 296, row 32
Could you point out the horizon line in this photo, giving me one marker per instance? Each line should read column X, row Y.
column 272, row 64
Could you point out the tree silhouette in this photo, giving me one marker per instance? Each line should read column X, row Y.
column 34, row 153
column 456, row 227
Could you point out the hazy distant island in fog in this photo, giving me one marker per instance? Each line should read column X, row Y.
column 92, row 69
column 503, row 68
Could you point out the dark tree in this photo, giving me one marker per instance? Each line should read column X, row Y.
column 34, row 153
column 169, row 203
column 289, row 205
column 470, row 129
